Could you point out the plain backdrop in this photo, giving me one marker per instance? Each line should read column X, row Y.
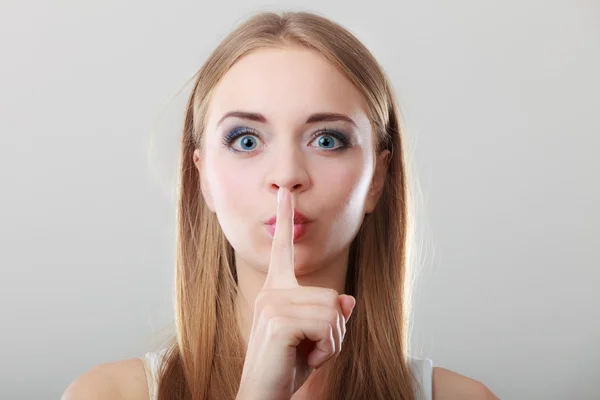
column 501, row 106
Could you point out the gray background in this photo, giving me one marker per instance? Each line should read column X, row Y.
column 501, row 105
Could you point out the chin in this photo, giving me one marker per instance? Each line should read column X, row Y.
column 305, row 259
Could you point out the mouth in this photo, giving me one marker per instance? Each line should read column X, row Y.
column 301, row 225
column 299, row 218
column 299, row 230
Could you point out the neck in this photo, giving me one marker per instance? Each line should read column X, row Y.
column 251, row 279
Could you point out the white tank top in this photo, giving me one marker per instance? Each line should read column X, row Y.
column 421, row 369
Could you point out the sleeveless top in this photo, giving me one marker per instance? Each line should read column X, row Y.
column 422, row 370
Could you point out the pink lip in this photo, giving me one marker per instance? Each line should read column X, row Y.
column 301, row 225
column 299, row 218
column 299, row 230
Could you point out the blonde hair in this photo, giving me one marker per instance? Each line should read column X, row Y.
column 204, row 360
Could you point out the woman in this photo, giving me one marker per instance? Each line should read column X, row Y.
column 293, row 191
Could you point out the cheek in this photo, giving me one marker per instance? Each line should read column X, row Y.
column 349, row 185
column 346, row 193
column 342, row 193
column 233, row 188
column 230, row 182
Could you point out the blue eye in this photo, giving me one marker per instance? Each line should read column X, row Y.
column 242, row 140
column 246, row 142
column 326, row 140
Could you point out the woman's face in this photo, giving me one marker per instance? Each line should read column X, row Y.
column 302, row 125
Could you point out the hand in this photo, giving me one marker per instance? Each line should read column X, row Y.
column 295, row 328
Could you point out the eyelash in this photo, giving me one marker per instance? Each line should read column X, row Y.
column 239, row 132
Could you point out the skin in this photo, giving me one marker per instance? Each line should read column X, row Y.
column 335, row 189
column 295, row 328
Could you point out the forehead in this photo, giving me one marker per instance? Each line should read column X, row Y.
column 286, row 84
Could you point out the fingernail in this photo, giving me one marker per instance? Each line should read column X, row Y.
column 279, row 195
column 353, row 307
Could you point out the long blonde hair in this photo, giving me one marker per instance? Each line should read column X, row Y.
column 204, row 360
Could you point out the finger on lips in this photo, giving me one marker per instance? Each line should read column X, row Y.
column 281, row 266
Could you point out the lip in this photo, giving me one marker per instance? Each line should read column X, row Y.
column 301, row 225
column 299, row 230
column 299, row 218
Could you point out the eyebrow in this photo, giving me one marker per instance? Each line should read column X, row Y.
column 316, row 117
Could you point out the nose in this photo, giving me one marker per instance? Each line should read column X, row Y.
column 289, row 171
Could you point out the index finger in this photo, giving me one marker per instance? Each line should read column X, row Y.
column 281, row 266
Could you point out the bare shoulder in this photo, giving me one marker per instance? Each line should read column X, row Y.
column 449, row 385
column 119, row 380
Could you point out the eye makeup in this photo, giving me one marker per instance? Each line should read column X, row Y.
column 240, row 132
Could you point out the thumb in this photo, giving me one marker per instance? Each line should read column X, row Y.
column 347, row 304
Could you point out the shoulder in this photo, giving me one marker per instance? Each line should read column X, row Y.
column 117, row 380
column 449, row 385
